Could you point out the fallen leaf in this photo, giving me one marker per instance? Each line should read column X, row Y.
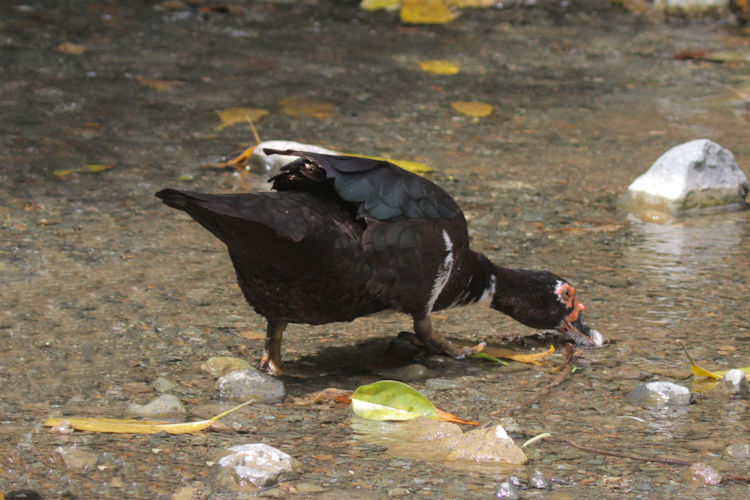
column 380, row 4
column 71, row 48
column 439, row 67
column 160, row 84
column 132, row 426
column 393, row 400
column 484, row 355
column 426, row 12
column 473, row 108
column 491, row 353
column 89, row 168
column 306, row 107
column 233, row 116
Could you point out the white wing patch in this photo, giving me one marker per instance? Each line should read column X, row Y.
column 443, row 273
column 489, row 292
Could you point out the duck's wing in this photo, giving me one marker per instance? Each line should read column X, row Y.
column 378, row 189
column 414, row 234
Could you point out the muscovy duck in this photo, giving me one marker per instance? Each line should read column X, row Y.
column 342, row 237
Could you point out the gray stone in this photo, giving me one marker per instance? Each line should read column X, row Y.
column 660, row 394
column 697, row 175
column 164, row 405
column 738, row 451
column 408, row 373
column 76, row 458
column 161, row 384
column 508, row 491
column 249, row 383
column 253, row 466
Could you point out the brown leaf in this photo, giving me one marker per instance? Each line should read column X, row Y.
column 72, row 49
column 307, row 107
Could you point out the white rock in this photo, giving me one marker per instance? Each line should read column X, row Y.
column 660, row 394
column 249, row 383
column 691, row 8
column 735, row 381
column 272, row 163
column 255, row 465
column 694, row 175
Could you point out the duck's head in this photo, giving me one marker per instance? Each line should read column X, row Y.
column 543, row 300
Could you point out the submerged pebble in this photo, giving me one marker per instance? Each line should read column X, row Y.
column 164, row 405
column 508, row 491
column 253, row 466
column 221, row 365
column 408, row 373
column 738, row 451
column 249, row 383
column 701, row 474
column 659, row 395
column 487, row 445
column 76, row 458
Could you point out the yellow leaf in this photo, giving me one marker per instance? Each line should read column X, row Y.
column 697, row 370
column 304, row 107
column 233, row 116
column 380, row 4
column 473, row 108
column 411, row 166
column 132, row 426
column 439, row 67
column 521, row 357
column 426, row 12
column 72, row 49
column 160, row 84
column 89, row 168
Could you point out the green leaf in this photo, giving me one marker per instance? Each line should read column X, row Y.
column 391, row 400
column 484, row 355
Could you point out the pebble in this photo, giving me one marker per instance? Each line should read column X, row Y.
column 660, row 395
column 491, row 444
column 508, row 491
column 249, row 383
column 538, row 481
column 221, row 365
column 735, row 382
column 253, row 466
column 408, row 373
column 76, row 458
column 164, row 405
column 738, row 451
column 442, row 383
column 695, row 175
column 161, row 384
column 701, row 474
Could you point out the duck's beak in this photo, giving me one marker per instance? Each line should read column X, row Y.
column 579, row 332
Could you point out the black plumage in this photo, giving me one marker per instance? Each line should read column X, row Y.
column 343, row 237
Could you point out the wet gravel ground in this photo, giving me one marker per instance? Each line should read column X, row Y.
column 104, row 290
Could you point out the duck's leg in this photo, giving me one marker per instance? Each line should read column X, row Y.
column 270, row 362
column 435, row 342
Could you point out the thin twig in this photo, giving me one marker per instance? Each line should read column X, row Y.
column 565, row 370
column 599, row 451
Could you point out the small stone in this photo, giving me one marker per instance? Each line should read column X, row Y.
column 308, row 488
column 161, row 384
column 408, row 373
column 700, row 474
column 221, row 365
column 253, row 466
column 508, row 491
column 538, row 481
column 735, row 382
column 660, row 395
column 491, row 444
column 399, row 492
column 511, row 425
column 249, row 383
column 76, row 458
column 442, row 383
column 738, row 451
column 164, row 405
column 696, row 175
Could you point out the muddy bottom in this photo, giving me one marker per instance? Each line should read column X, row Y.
column 104, row 290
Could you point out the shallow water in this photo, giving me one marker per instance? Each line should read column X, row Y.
column 105, row 289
